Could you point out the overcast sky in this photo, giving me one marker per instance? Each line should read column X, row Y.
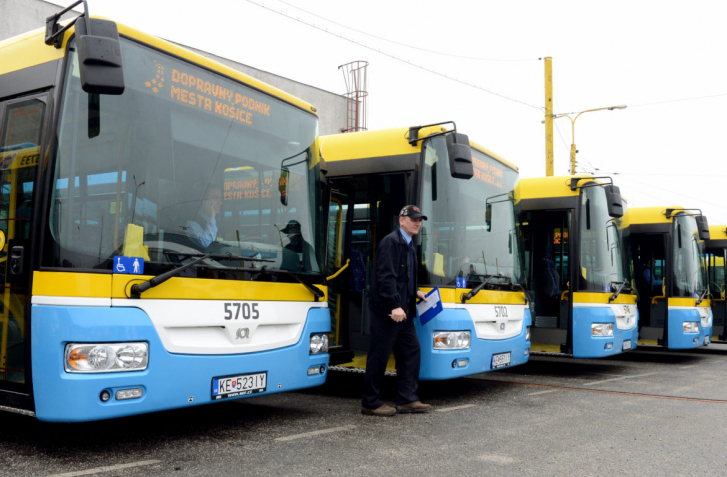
column 664, row 59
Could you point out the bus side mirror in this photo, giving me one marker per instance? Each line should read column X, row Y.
column 283, row 185
column 615, row 204
column 99, row 57
column 488, row 216
column 702, row 227
column 460, row 156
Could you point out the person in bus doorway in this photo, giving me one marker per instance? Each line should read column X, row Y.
column 297, row 253
column 649, row 276
column 392, row 305
column 203, row 229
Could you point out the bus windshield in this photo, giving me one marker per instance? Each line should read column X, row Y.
column 458, row 239
column 602, row 254
column 690, row 261
column 185, row 163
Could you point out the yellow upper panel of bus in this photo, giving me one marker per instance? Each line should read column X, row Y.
column 548, row 187
column 718, row 232
column 650, row 215
column 29, row 49
column 384, row 143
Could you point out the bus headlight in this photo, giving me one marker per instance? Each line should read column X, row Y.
column 452, row 340
column 106, row 357
column 691, row 326
column 318, row 343
column 602, row 329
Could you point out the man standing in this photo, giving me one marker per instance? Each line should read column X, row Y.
column 392, row 305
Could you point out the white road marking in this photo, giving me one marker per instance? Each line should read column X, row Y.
column 108, row 468
column 619, row 379
column 455, row 408
column 315, row 433
column 544, row 392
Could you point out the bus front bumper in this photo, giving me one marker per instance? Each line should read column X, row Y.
column 438, row 364
column 169, row 381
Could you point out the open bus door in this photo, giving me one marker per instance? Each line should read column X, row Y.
column 548, row 248
column 363, row 210
column 21, row 131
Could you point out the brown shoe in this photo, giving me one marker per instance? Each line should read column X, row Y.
column 416, row 406
column 383, row 410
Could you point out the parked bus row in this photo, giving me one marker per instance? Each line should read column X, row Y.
column 174, row 233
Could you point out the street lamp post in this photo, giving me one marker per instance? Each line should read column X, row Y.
column 573, row 132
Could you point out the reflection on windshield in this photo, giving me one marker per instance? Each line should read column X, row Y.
column 602, row 255
column 690, row 262
column 187, row 162
column 459, row 239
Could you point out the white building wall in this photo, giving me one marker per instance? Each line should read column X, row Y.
column 20, row 16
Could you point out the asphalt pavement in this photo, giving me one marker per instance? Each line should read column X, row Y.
column 648, row 412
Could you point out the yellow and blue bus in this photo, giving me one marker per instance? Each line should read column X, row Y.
column 716, row 254
column 577, row 266
column 468, row 247
column 148, row 200
column 670, row 268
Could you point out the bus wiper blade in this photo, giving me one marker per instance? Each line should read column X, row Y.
column 621, row 286
column 520, row 287
column 475, row 291
column 317, row 293
column 139, row 288
column 702, row 296
column 224, row 256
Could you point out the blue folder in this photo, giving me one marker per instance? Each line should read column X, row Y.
column 426, row 310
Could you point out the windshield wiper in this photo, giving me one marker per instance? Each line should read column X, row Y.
column 522, row 288
column 621, row 286
column 476, row 290
column 702, row 296
column 317, row 293
column 224, row 256
column 139, row 288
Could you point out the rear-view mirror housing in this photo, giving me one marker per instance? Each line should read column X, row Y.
column 702, row 227
column 99, row 57
column 460, row 156
column 613, row 199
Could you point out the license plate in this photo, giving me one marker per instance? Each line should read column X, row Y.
column 239, row 385
column 500, row 360
column 627, row 345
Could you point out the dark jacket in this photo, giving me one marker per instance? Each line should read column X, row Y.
column 390, row 277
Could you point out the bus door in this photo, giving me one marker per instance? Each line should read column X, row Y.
column 716, row 264
column 370, row 204
column 546, row 235
column 649, row 253
column 21, row 132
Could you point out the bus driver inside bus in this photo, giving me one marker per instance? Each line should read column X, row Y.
column 202, row 230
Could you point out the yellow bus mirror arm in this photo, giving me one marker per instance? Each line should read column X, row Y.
column 563, row 295
column 653, row 300
column 348, row 261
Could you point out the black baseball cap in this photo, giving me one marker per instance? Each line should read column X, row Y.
column 412, row 211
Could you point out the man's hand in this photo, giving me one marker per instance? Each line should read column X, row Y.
column 398, row 315
column 421, row 295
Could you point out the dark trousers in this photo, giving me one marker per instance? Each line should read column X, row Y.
column 401, row 338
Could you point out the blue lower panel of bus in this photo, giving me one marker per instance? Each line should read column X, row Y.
column 170, row 380
column 448, row 364
column 585, row 345
column 678, row 339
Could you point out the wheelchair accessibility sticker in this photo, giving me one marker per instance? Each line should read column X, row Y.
column 128, row 265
